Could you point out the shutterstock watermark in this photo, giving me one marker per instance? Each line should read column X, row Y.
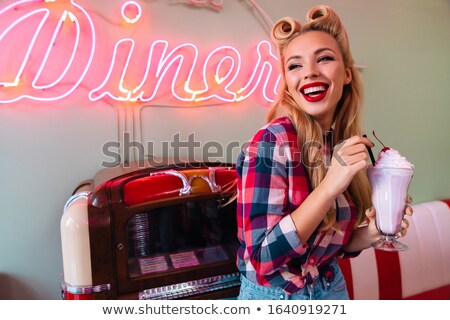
column 171, row 152
column 267, row 152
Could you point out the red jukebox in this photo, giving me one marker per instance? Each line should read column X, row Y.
column 165, row 232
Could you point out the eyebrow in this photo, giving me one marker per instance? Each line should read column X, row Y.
column 320, row 50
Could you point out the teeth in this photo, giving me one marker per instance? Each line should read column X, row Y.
column 314, row 89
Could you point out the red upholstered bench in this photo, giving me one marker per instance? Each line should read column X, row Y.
column 422, row 272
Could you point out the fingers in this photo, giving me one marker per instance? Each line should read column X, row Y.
column 409, row 199
column 404, row 228
column 359, row 158
column 353, row 151
column 353, row 145
column 370, row 213
column 349, row 158
column 405, row 223
column 409, row 211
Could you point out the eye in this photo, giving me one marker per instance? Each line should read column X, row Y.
column 294, row 66
column 324, row 59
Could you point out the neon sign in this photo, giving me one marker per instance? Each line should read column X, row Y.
column 58, row 49
column 134, row 5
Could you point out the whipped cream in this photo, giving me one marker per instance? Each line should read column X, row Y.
column 392, row 159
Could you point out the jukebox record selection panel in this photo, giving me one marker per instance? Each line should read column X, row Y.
column 180, row 236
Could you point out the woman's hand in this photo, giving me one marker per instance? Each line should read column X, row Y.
column 349, row 157
column 405, row 222
column 372, row 232
column 367, row 232
column 372, row 229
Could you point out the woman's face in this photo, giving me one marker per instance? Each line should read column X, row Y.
column 316, row 75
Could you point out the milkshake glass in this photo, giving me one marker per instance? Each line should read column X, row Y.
column 390, row 180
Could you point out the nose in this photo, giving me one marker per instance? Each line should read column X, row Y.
column 310, row 71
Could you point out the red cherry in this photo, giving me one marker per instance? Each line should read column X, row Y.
column 385, row 148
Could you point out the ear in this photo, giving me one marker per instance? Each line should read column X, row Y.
column 348, row 76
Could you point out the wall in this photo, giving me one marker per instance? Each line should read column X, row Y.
column 46, row 149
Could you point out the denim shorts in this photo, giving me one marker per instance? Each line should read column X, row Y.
column 323, row 290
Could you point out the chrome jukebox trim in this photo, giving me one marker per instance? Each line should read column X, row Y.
column 190, row 288
column 85, row 289
column 186, row 190
column 76, row 196
column 212, row 178
column 212, row 185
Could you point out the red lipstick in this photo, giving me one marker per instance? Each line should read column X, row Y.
column 320, row 87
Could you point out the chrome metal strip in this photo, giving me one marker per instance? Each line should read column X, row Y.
column 85, row 289
column 212, row 177
column 83, row 194
column 190, row 288
column 186, row 190
column 212, row 185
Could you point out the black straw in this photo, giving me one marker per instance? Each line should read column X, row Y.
column 372, row 158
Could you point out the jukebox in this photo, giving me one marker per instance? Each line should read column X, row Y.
column 160, row 232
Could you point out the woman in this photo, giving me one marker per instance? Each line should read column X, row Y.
column 303, row 198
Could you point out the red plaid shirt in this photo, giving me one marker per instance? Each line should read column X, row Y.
column 272, row 183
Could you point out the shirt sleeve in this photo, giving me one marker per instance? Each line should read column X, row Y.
column 269, row 233
column 347, row 255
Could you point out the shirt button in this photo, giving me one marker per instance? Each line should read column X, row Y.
column 281, row 297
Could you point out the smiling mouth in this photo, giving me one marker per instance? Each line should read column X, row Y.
column 314, row 92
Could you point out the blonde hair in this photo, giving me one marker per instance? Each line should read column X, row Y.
column 347, row 115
